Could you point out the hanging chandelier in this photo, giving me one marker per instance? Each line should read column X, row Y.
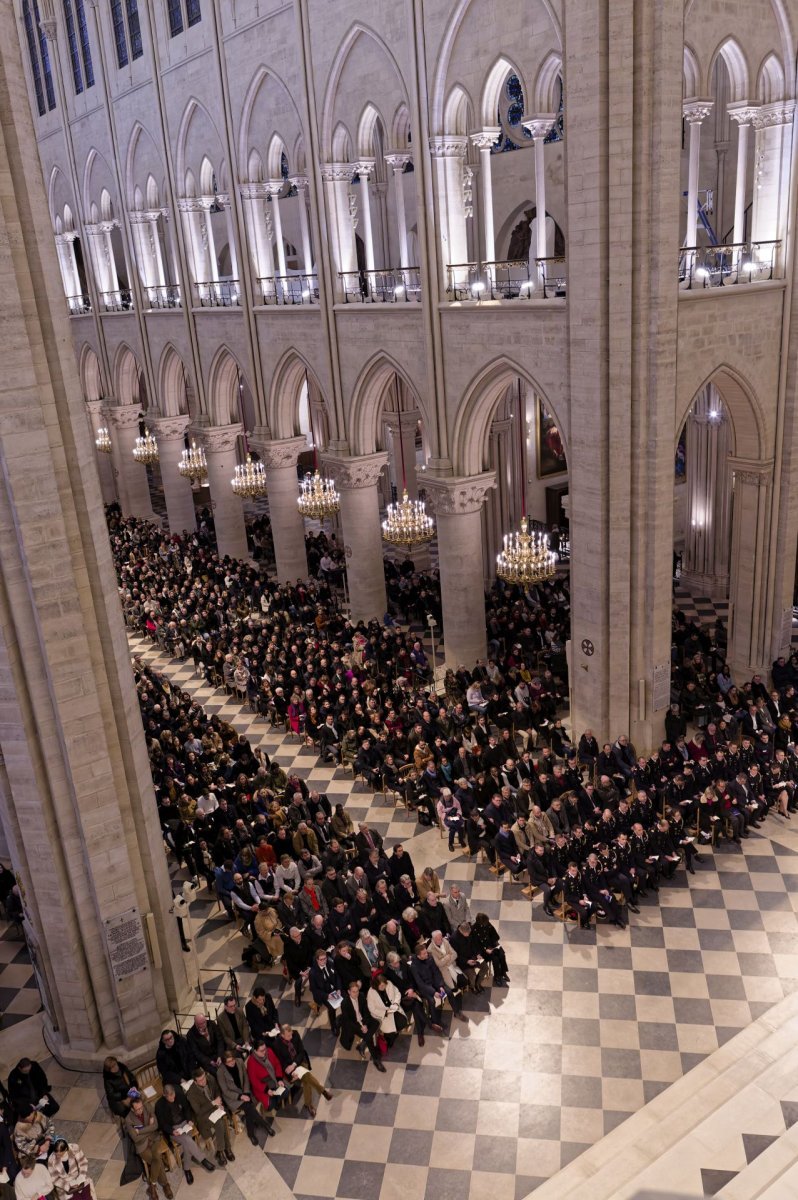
column 526, row 557
column 318, row 497
column 250, row 480
column 145, row 450
column 103, row 441
column 406, row 523
column 193, row 465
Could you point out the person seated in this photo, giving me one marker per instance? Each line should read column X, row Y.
column 486, row 939
column 34, row 1181
column 384, row 1002
column 261, row 1014
column 470, row 960
column 142, row 1128
column 206, row 1043
column 118, row 1081
column 233, row 1026
column 290, row 1052
column 431, row 987
column 325, row 987
column 204, row 1098
column 33, row 1133
column 174, row 1058
column 27, row 1085
column 262, row 1075
column 235, row 1090
column 174, row 1119
column 358, row 1026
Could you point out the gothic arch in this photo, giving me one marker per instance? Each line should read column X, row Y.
column 343, row 53
column 736, row 66
column 342, row 144
column 692, row 73
column 458, row 118
column 97, row 175
column 282, row 407
column 90, row 375
column 245, row 133
column 223, row 389
column 770, row 81
column 545, row 97
column 367, row 402
column 184, row 158
column 126, row 375
column 491, row 91
column 400, row 128
column 173, row 397
column 478, row 407
column 745, row 415
column 142, row 162
column 367, row 131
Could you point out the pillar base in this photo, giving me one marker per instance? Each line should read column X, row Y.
column 714, row 587
column 86, row 1058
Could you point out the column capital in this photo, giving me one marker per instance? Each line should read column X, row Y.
column 752, row 471
column 189, row 204
column 143, row 217
column 457, row 496
column 334, row 172
column 398, row 160
column 541, row 125
column 273, row 187
column 49, row 28
column 216, row 438
column 169, row 427
column 742, row 112
column 123, row 415
column 485, row 139
column 253, row 191
column 352, row 473
column 769, row 115
column 401, row 420
column 95, row 407
column 283, row 452
column 364, row 167
column 449, row 146
column 697, row 109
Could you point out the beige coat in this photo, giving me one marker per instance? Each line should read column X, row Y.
column 445, row 960
column 540, row 829
column 379, row 1011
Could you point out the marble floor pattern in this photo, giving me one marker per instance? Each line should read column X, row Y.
column 593, row 1026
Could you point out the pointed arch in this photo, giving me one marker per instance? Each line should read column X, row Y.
column 143, row 159
column 274, row 157
column 400, row 128
column 223, row 388
column 367, row 130
column 357, row 30
column 478, row 407
column 282, row 409
column 737, row 67
column 770, row 81
column 90, row 375
column 458, row 118
column 192, row 109
column 692, row 73
column 341, row 144
column 245, row 128
column 126, row 375
column 546, row 96
column 368, row 398
column 173, row 399
column 745, row 414
column 491, row 91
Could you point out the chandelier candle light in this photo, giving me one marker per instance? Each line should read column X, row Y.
column 250, row 479
column 317, row 496
column 406, row 523
column 193, row 465
column 526, row 557
column 145, row 450
column 103, row 441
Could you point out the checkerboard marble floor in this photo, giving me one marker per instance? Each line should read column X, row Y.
column 593, row 1026
column 19, row 993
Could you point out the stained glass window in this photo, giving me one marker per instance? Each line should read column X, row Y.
column 35, row 66
column 72, row 43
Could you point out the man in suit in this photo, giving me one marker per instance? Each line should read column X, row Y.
column 324, row 981
column 429, row 983
column 205, row 1099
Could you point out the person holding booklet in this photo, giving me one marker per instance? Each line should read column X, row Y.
column 205, row 1100
column 174, row 1121
column 290, row 1052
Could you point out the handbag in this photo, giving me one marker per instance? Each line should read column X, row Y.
column 83, row 1193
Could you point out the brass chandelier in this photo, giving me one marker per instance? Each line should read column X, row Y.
column 318, row 497
column 526, row 557
column 103, row 441
column 406, row 522
column 193, row 465
column 145, row 450
column 249, row 481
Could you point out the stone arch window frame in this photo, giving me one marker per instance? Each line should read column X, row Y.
column 78, row 45
column 126, row 25
column 39, row 55
column 182, row 15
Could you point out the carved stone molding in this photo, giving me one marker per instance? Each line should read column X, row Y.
column 190, row 204
column 284, row 452
column 96, row 407
column 467, row 494
column 697, row 110
column 753, row 474
column 141, row 217
column 336, row 172
column 48, row 27
column 169, row 428
column 484, row 139
column 218, row 438
column 398, row 161
column 404, row 420
column 451, row 146
column 769, row 115
column 274, row 187
column 123, row 415
column 300, row 182
column 364, row 167
column 541, row 125
column 253, row 191
column 742, row 113
column 351, row 473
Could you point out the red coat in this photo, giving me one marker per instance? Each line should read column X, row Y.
column 263, row 1076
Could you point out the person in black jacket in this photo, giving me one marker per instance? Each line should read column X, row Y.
column 117, row 1081
column 324, row 982
column 171, row 1112
column 428, row 982
column 358, row 1023
column 261, row 1013
column 298, row 960
column 206, row 1043
column 574, row 894
column 398, row 973
column 174, row 1058
column 27, row 1085
column 486, row 938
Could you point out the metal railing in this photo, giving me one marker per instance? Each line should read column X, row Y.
column 289, row 289
column 79, row 305
column 120, row 300
column 723, row 266
column 163, row 295
column 218, row 293
column 508, row 279
column 395, row 285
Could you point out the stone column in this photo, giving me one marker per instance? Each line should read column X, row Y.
column 105, row 469
column 280, row 460
column 742, row 114
column 748, row 648
column 405, row 425
column 300, row 182
column 76, row 798
column 457, row 504
column 65, row 245
column 132, row 483
column 771, row 180
column 273, row 189
column 337, row 177
column 357, row 480
column 448, row 155
column 253, row 196
column 220, row 442
column 169, row 433
column 397, row 163
column 706, row 553
column 147, row 245
column 695, row 111
column 195, row 221
column 364, row 170
column 540, row 127
column 484, row 140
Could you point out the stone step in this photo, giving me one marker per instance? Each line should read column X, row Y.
column 768, row 1167
column 689, row 1140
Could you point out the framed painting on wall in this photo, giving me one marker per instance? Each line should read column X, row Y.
column 551, row 455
